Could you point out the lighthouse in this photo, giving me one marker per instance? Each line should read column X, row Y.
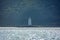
column 29, row 21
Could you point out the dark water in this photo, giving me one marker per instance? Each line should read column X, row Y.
column 17, row 12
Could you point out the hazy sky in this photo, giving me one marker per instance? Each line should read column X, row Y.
column 17, row 12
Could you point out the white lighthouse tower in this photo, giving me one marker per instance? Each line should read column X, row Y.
column 29, row 21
